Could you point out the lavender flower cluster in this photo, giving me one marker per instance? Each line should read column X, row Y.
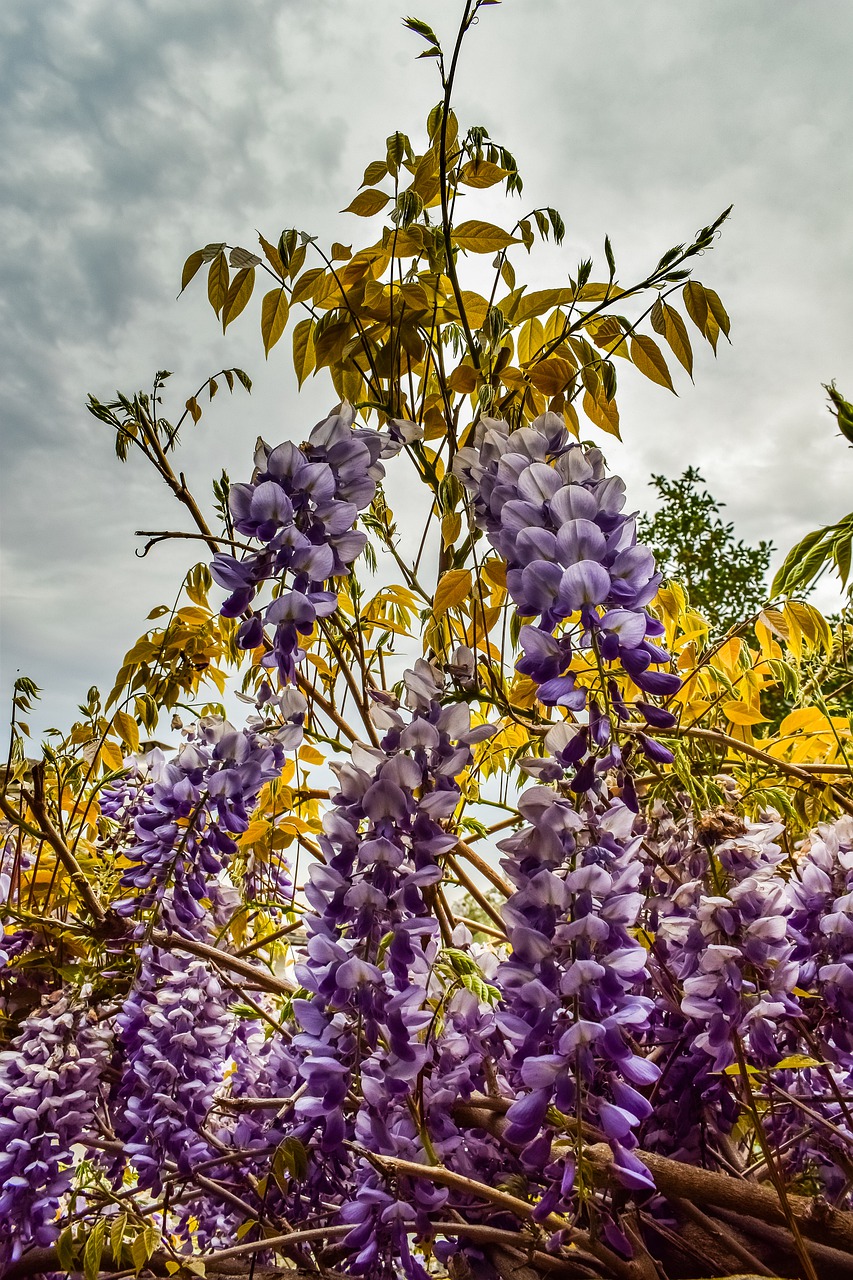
column 188, row 813
column 49, row 1081
column 302, row 504
column 549, row 509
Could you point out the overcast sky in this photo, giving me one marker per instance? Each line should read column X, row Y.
column 133, row 131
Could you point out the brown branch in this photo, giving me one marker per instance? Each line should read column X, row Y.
column 813, row 1215
column 480, row 864
column 266, row 981
column 60, row 848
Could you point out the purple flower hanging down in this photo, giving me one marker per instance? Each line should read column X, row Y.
column 302, row 504
column 550, row 511
column 48, row 1092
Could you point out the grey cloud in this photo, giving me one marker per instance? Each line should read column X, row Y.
column 135, row 132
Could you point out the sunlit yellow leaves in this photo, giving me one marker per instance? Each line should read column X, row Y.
column 303, row 289
column 742, row 713
column 453, row 588
column 481, row 237
column 273, row 317
column 367, row 203
column 649, row 359
column 451, row 527
column 310, row 755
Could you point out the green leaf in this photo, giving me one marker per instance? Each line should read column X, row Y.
column 93, row 1250
column 274, row 311
column 421, row 28
column 117, row 1230
column 303, row 349
column 649, row 359
column 481, row 237
column 217, row 282
column 367, row 203
column 238, row 295
column 191, row 266
column 65, row 1250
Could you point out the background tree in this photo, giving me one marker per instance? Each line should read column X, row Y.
column 727, row 577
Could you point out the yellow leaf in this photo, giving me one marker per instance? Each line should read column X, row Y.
column 127, row 729
column 111, row 755
column 796, row 1062
column 803, row 720
column 808, row 620
column 238, row 295
column 272, row 255
column 552, row 375
column 305, row 285
column 603, row 413
column 340, row 252
column 368, row 202
column 274, row 311
column 463, row 379
column 481, row 237
column 451, row 527
column 303, row 349
column 531, row 339
column 742, row 713
column 675, row 332
column 495, row 571
column 255, row 832
column 453, row 588
column 217, row 282
column 191, row 266
column 481, row 174
column 649, row 359
column 310, row 754
column 697, row 305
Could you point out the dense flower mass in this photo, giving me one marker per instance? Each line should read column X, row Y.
column 173, row 1037
column 302, row 504
column 49, row 1081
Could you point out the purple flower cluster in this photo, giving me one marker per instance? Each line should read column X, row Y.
column 549, row 509
column 190, row 812
column 574, row 982
column 49, row 1081
column 302, row 504
column 174, row 1032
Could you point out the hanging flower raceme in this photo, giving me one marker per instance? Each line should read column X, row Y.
column 49, row 1081
column 191, row 811
column 549, row 509
column 575, row 985
column 174, row 1033
column 373, row 942
column 302, row 505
